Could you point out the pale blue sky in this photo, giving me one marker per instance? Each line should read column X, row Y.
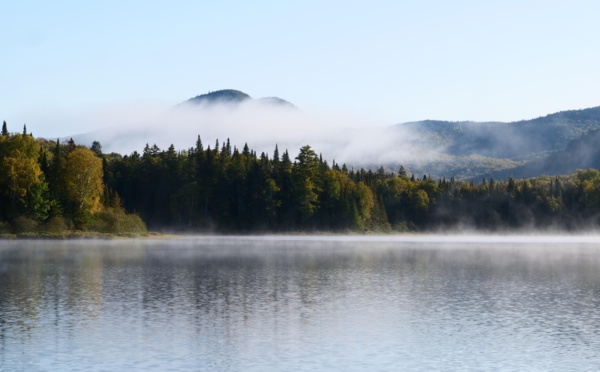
column 391, row 61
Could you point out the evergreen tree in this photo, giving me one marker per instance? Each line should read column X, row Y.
column 402, row 172
column 307, row 183
column 71, row 145
column 96, row 148
column 228, row 148
column 4, row 129
column 510, row 188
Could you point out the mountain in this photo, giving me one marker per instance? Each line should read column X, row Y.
column 219, row 96
column 470, row 149
column 235, row 97
column 521, row 140
column 581, row 153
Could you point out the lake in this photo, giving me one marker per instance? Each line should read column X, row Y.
column 301, row 304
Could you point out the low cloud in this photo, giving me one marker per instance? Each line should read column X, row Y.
column 262, row 125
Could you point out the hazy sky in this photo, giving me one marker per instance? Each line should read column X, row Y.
column 384, row 61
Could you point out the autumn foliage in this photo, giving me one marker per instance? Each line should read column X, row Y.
column 46, row 187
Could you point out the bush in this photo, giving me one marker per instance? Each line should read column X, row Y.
column 24, row 224
column 56, row 225
column 5, row 228
column 116, row 221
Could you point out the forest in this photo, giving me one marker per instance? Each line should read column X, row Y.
column 49, row 187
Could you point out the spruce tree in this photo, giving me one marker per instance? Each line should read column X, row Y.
column 71, row 145
column 228, row 148
column 402, row 172
column 4, row 129
column 511, row 184
column 96, row 148
column 199, row 147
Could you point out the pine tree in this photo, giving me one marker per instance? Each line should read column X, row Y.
column 511, row 184
column 4, row 129
column 228, row 148
column 71, row 145
column 199, row 147
column 402, row 172
column 24, row 129
column 96, row 148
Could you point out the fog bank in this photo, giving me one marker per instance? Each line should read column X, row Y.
column 262, row 125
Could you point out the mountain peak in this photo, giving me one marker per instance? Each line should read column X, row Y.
column 235, row 97
column 224, row 95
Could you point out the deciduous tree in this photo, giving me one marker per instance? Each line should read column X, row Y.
column 83, row 182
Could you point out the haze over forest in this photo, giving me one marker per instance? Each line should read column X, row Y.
column 558, row 143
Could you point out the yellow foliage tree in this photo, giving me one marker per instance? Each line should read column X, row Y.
column 83, row 181
column 19, row 168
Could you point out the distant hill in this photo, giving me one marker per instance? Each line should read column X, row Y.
column 581, row 153
column 234, row 96
column 470, row 149
column 521, row 140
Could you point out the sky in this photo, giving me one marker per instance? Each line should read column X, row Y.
column 383, row 62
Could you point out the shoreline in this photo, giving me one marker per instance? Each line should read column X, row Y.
column 84, row 235
column 471, row 236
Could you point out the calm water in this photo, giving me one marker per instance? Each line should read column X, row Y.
column 301, row 304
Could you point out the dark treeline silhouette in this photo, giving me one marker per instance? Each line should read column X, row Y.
column 227, row 190
column 49, row 186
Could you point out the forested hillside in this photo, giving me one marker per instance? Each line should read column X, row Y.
column 520, row 140
column 45, row 185
column 582, row 152
column 472, row 149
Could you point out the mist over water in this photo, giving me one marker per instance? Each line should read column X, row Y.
column 302, row 303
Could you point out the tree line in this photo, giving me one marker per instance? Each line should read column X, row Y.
column 230, row 190
column 225, row 189
column 53, row 188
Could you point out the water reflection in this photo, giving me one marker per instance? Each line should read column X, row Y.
column 261, row 304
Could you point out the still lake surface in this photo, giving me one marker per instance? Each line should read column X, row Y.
column 301, row 304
